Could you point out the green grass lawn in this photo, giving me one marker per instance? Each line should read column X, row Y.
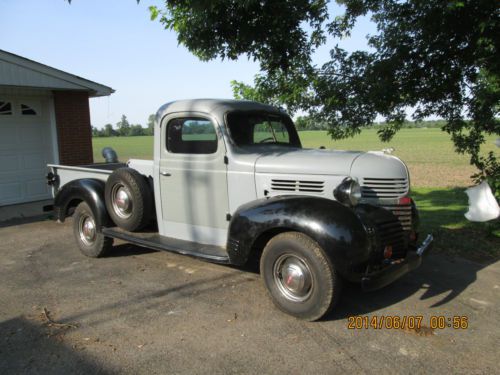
column 439, row 177
column 442, row 214
column 125, row 147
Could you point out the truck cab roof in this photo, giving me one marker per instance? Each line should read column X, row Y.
column 215, row 107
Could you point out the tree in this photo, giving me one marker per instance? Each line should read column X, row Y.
column 136, row 130
column 108, row 131
column 438, row 58
column 95, row 131
column 123, row 126
column 309, row 123
column 151, row 124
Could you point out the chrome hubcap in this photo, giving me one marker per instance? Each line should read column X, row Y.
column 87, row 230
column 293, row 277
column 122, row 204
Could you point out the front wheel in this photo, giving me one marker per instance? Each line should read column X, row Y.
column 299, row 277
column 90, row 240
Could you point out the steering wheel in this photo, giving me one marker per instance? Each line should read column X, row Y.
column 266, row 139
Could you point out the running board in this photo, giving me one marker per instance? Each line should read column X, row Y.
column 154, row 241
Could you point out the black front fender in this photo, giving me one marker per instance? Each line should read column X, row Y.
column 87, row 189
column 335, row 227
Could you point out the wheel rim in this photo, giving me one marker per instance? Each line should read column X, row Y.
column 122, row 204
column 293, row 277
column 87, row 230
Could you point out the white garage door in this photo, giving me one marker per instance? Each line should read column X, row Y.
column 25, row 149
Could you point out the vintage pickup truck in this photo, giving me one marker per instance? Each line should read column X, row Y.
column 231, row 182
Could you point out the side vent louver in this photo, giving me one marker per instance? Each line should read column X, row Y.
column 299, row 186
column 384, row 187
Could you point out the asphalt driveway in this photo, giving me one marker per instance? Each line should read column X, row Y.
column 140, row 311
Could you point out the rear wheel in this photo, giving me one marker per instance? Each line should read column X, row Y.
column 90, row 240
column 128, row 199
column 299, row 277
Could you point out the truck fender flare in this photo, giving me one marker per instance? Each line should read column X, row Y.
column 335, row 227
column 88, row 190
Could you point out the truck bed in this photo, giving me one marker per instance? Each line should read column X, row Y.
column 68, row 173
column 105, row 166
column 99, row 171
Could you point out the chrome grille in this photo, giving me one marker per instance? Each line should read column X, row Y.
column 384, row 187
column 391, row 233
column 402, row 212
column 298, row 185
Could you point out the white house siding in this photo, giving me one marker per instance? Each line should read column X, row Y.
column 15, row 75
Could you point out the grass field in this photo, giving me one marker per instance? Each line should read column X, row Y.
column 438, row 177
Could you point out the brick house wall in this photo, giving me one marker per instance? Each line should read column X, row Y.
column 74, row 132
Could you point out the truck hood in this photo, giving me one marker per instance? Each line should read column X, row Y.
column 306, row 161
column 373, row 164
column 378, row 165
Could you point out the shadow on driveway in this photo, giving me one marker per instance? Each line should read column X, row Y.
column 29, row 348
column 438, row 275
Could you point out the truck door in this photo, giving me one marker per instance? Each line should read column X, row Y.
column 193, row 179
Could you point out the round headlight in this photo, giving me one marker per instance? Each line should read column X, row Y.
column 348, row 192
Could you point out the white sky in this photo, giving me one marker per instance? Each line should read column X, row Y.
column 114, row 43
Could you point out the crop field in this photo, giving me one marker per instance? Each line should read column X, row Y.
column 439, row 177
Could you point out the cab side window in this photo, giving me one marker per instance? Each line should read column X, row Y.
column 191, row 136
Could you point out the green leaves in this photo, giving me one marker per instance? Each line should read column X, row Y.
column 271, row 32
column 154, row 12
column 456, row 4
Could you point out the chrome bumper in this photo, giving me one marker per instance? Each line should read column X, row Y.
column 394, row 271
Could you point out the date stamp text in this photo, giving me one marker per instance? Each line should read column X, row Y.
column 410, row 322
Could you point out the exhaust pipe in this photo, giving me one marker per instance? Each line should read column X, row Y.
column 109, row 155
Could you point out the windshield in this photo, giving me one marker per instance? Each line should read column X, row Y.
column 260, row 128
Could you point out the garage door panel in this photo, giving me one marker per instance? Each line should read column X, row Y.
column 11, row 192
column 37, row 187
column 33, row 135
column 9, row 139
column 9, row 163
column 36, row 176
column 25, row 150
column 34, row 161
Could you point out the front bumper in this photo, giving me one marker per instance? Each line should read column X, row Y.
column 395, row 270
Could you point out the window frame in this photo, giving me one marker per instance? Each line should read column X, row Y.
column 11, row 109
column 36, row 112
column 193, row 142
column 294, row 139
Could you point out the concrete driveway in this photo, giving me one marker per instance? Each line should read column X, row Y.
column 139, row 311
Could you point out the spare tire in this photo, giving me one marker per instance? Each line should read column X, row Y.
column 129, row 199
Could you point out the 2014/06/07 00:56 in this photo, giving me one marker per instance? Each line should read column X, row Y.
column 406, row 322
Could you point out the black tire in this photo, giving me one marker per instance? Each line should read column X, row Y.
column 135, row 211
column 313, row 286
column 90, row 240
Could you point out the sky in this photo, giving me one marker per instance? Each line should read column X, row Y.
column 114, row 42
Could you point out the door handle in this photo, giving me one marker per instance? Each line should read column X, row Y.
column 165, row 174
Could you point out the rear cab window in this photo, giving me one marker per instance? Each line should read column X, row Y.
column 261, row 128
